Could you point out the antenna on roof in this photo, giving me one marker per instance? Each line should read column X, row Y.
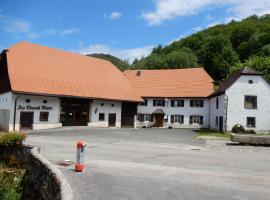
column 138, row 73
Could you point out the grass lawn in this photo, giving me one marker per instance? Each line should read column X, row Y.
column 211, row 134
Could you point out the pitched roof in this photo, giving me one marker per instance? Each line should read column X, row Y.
column 37, row 69
column 232, row 78
column 189, row 82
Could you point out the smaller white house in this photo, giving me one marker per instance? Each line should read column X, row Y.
column 243, row 99
column 175, row 98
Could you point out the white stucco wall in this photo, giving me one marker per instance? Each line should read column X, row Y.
column 106, row 109
column 54, row 114
column 186, row 111
column 5, row 105
column 237, row 113
column 214, row 112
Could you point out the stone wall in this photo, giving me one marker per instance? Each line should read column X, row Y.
column 42, row 180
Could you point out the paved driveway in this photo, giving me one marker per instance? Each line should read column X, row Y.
column 157, row 164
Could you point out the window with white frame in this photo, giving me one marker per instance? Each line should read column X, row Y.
column 144, row 117
column 251, row 122
column 148, row 117
column 177, row 103
column 177, row 119
column 196, row 103
column 159, row 102
column 196, row 119
column 250, row 102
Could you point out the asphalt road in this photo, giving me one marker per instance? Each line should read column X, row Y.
column 157, row 164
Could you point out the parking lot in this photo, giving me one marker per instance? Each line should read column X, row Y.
column 157, row 164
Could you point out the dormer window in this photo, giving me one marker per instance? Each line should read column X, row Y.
column 250, row 81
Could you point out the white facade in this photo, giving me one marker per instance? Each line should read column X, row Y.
column 35, row 106
column 186, row 111
column 52, row 105
column 105, row 107
column 233, row 103
column 217, row 110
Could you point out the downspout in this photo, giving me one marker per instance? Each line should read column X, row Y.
column 209, row 114
column 15, row 111
column 226, row 112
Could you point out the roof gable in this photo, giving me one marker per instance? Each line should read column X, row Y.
column 42, row 70
column 232, row 78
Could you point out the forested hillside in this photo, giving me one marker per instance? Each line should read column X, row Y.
column 220, row 49
column 122, row 65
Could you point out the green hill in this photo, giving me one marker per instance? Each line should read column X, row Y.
column 122, row 65
column 220, row 49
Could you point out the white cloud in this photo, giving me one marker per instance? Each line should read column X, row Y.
column 213, row 24
column 171, row 9
column 70, row 31
column 125, row 54
column 115, row 15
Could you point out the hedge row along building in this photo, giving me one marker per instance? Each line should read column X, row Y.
column 42, row 87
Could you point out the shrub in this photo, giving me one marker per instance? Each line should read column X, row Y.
column 238, row 129
column 250, row 132
column 11, row 138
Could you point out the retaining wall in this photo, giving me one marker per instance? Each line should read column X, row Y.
column 42, row 180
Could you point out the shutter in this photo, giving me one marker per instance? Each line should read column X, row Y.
column 163, row 103
column 145, row 102
column 182, row 119
column 191, row 103
column 154, row 102
column 190, row 119
column 182, row 103
column 201, row 120
column 202, row 103
column 172, row 118
column 172, row 103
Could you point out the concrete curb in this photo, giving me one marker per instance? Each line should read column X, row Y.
column 66, row 191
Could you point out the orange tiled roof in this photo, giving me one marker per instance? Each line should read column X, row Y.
column 38, row 69
column 189, row 82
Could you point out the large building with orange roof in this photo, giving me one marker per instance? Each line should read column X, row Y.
column 172, row 97
column 43, row 87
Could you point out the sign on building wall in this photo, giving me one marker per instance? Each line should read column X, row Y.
column 29, row 107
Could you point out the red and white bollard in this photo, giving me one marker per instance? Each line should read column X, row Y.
column 80, row 156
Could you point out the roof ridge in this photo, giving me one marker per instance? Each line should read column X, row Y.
column 171, row 69
column 58, row 49
column 17, row 44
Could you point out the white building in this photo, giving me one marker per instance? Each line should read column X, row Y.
column 42, row 87
column 243, row 99
column 173, row 98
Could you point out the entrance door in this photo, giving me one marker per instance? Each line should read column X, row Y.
column 220, row 123
column 159, row 120
column 26, row 120
column 74, row 112
column 112, row 119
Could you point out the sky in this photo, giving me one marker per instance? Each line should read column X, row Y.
column 127, row 29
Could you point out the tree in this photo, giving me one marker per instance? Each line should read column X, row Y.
column 217, row 55
column 182, row 59
column 258, row 63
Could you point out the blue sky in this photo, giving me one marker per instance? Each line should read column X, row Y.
column 127, row 29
